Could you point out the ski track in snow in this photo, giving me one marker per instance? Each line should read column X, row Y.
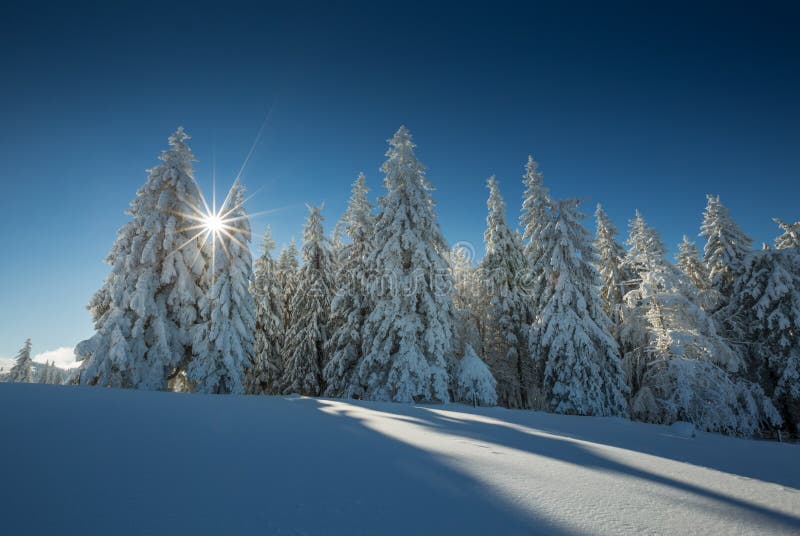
column 84, row 460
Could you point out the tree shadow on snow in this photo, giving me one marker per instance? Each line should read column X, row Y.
column 156, row 463
column 578, row 453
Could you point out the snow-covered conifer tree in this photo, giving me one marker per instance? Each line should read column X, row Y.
column 269, row 320
column 689, row 262
column 474, row 381
column 767, row 296
column 223, row 343
column 503, row 305
column 697, row 391
column 678, row 364
column 659, row 288
column 695, row 269
column 725, row 250
column 286, row 273
column 307, row 332
column 534, row 218
column 55, row 375
column 146, row 309
column 349, row 307
column 408, row 333
column 44, row 373
column 791, row 234
column 22, row 371
column 465, row 295
column 609, row 260
column 645, row 248
column 582, row 373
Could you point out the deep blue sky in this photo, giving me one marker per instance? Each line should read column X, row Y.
column 633, row 106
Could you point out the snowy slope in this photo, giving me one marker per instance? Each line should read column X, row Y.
column 101, row 461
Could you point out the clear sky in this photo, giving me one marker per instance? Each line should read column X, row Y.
column 636, row 106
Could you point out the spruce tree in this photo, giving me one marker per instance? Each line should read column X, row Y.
column 349, row 307
column 690, row 372
column 408, row 333
column 609, row 260
column 791, row 234
column 466, row 282
column 645, row 251
column 268, row 299
column 689, row 262
column 308, row 330
column 582, row 373
column 149, row 304
column 680, row 367
column 695, row 270
column 44, row 373
column 725, row 250
column 504, row 307
column 767, row 296
column 534, row 218
column 474, row 382
column 286, row 274
column 22, row 371
column 223, row 342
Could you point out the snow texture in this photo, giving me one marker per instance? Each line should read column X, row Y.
column 135, row 462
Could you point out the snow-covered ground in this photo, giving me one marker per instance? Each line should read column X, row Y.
column 83, row 460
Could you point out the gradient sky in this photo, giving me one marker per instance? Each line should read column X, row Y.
column 649, row 106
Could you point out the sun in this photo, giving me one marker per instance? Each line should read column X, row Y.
column 213, row 223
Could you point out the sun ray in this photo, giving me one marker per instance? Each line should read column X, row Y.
column 255, row 142
column 210, row 221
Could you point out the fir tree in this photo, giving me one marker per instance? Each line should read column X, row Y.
column 583, row 373
column 408, row 333
column 149, row 304
column 223, row 343
column 726, row 247
column 609, row 260
column 791, row 234
column 22, row 371
column 350, row 307
column 307, row 332
column 504, row 307
column 268, row 299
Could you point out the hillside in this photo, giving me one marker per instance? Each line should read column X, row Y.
column 103, row 461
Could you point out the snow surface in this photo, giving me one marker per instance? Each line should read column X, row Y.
column 155, row 463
